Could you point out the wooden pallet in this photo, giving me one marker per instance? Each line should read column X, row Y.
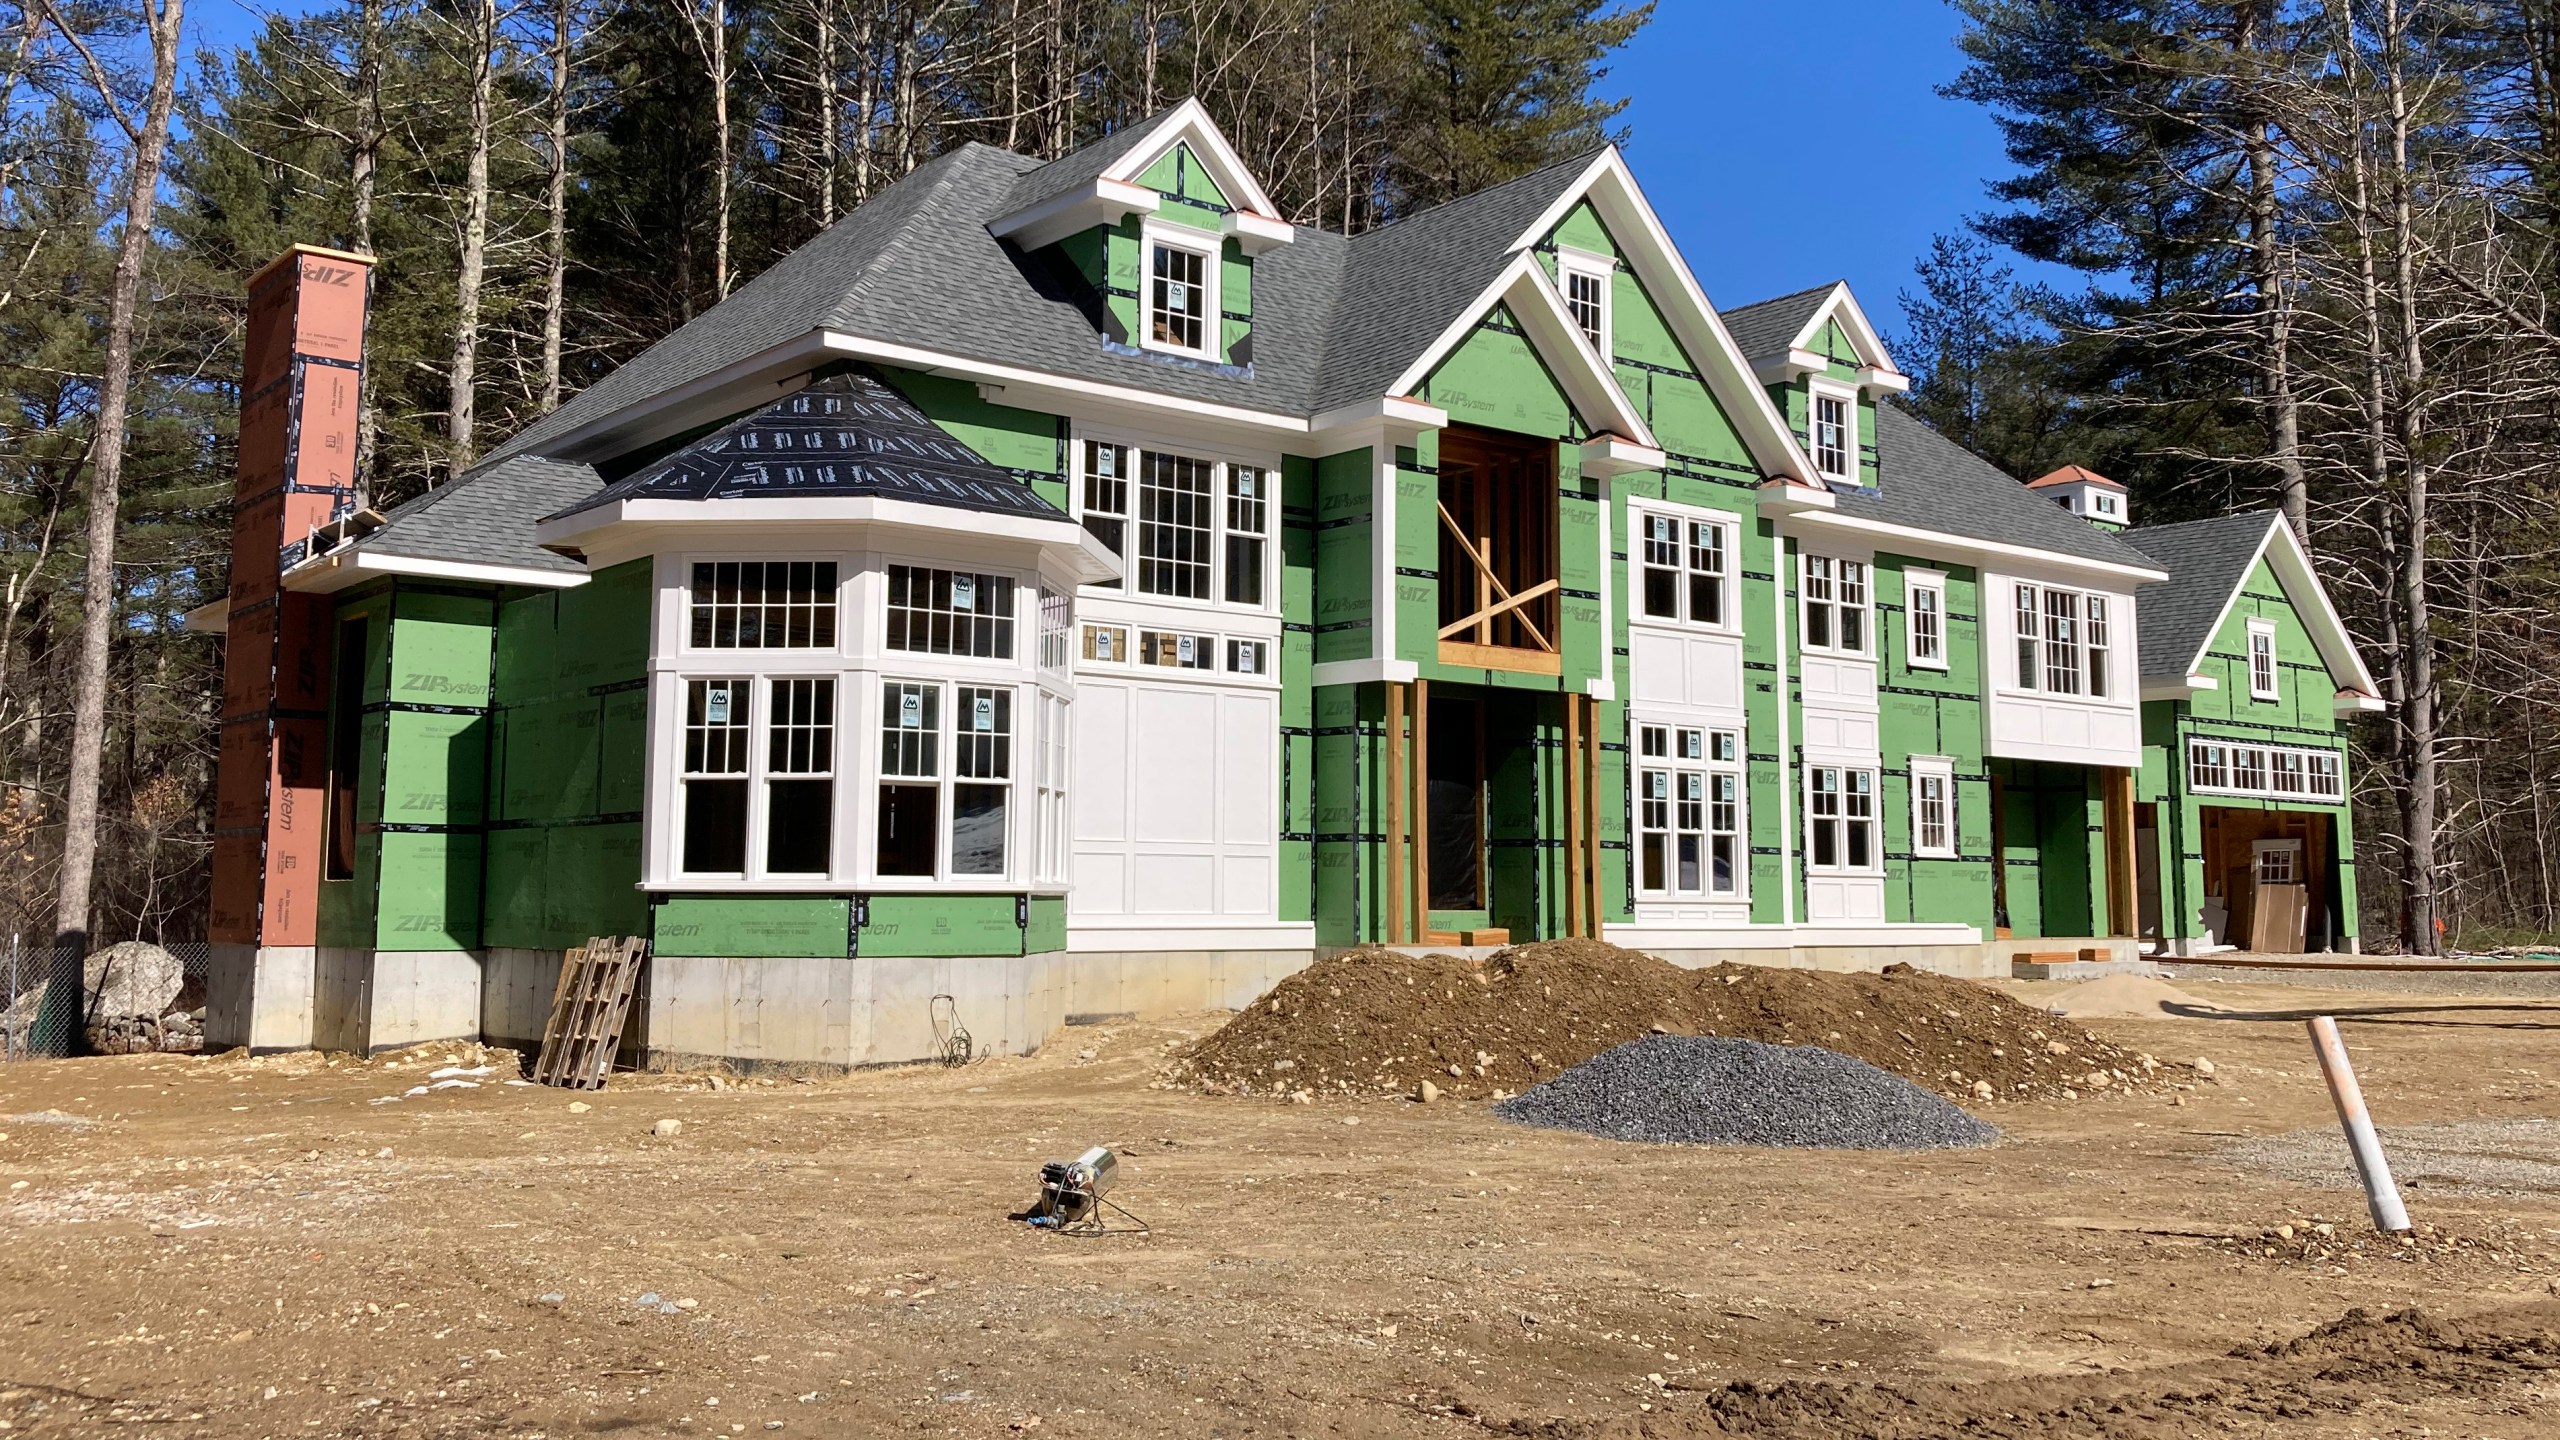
column 587, row 1011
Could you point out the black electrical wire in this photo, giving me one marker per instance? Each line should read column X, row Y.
column 951, row 1041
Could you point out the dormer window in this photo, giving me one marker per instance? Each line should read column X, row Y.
column 1182, row 294
column 1584, row 280
column 1832, row 433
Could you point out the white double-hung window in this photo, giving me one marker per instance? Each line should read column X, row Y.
column 1689, row 812
column 1924, row 614
column 1687, row 568
column 2065, row 641
column 946, row 779
column 1840, row 819
column 1181, row 294
column 1835, row 604
column 2262, row 660
column 1933, row 806
column 1831, row 430
column 1583, row 281
column 755, row 792
column 1184, row 527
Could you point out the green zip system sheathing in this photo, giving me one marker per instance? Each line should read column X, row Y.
column 1345, row 590
column 571, row 737
column 1924, row 710
column 421, row 773
column 1297, row 689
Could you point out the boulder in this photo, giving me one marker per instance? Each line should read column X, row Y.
column 131, row 977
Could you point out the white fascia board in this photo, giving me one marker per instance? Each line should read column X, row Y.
column 1524, row 286
column 213, row 617
column 1104, row 202
column 2177, row 687
column 1365, row 672
column 1255, row 234
column 1060, row 537
column 1794, row 497
column 328, row 574
column 1042, row 390
column 1791, row 365
column 1842, row 305
column 2328, row 631
column 1940, row 542
column 759, row 379
column 1882, row 381
column 1612, row 190
column 2349, row 704
column 1606, row 456
column 1190, row 121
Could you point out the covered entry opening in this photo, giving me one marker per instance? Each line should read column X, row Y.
column 2268, row 884
column 1499, row 606
column 1493, row 811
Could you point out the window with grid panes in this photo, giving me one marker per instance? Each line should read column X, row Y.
column 718, row 725
column 1177, row 651
column 1689, row 811
column 908, row 833
column 1249, row 657
column 1835, row 604
column 1933, row 828
column 1177, row 298
column 2262, row 661
column 763, row 605
column 800, row 787
column 1841, row 815
column 1833, row 435
column 1248, row 515
column 1057, row 610
column 982, row 769
column 1925, row 612
column 1586, row 299
column 950, row 612
column 1685, row 564
column 1177, row 522
column 1105, row 508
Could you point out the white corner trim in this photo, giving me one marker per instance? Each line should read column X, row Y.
column 1104, row 202
column 328, row 574
column 1256, row 234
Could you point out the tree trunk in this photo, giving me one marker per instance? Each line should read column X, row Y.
column 106, row 476
column 2275, row 329
column 718, row 66
column 556, row 256
column 830, row 141
column 2418, row 799
column 475, row 239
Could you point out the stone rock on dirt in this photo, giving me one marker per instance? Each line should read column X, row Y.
column 1375, row 1022
column 133, row 1000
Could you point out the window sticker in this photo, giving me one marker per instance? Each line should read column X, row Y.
column 715, row 706
column 910, row 710
column 964, row 592
column 983, row 715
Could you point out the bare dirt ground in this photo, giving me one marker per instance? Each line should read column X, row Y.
column 234, row 1247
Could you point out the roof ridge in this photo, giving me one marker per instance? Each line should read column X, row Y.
column 1473, row 196
column 1823, row 288
column 935, row 188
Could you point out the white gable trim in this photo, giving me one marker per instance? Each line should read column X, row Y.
column 1189, row 122
column 1612, row 190
column 1104, row 202
column 2292, row 564
column 1876, row 370
column 1587, row 380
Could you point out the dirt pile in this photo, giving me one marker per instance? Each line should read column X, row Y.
column 2124, row 997
column 1372, row 1020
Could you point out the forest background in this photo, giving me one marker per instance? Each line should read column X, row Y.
column 2308, row 245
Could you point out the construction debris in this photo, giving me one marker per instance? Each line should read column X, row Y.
column 1701, row 1090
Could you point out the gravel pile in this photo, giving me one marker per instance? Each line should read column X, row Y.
column 1704, row 1090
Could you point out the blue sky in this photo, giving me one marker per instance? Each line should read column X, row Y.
column 1781, row 154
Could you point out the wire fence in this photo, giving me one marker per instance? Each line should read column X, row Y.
column 128, row 998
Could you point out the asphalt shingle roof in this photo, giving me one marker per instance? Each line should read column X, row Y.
column 1081, row 167
column 849, row 434
column 487, row 516
column 1929, row 482
column 2207, row 560
column 1765, row 327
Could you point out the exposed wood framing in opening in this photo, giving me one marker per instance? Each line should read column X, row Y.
column 1499, row 575
column 2124, row 910
column 1397, row 915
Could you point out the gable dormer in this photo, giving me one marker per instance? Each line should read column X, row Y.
column 1826, row 367
column 1162, row 224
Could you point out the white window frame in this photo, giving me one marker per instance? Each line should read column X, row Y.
column 947, row 778
column 1846, row 812
column 2076, row 642
column 1154, row 236
column 2219, row 766
column 759, row 773
column 753, row 661
column 2262, row 645
column 1940, row 769
column 1222, row 465
column 1816, row 391
column 1686, row 521
column 2105, row 505
column 1833, row 576
column 1916, row 583
column 1603, row 270
column 1712, row 758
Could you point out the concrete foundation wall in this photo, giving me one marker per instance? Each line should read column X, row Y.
column 516, row 987
column 259, row 996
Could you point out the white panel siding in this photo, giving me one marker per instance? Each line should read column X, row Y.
column 1176, row 801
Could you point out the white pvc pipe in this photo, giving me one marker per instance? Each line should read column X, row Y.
column 2381, row 1195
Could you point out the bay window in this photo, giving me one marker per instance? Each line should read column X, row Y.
column 2065, row 641
column 950, row 612
column 800, row 785
column 1689, row 812
column 717, row 727
column 763, row 605
column 719, row 779
column 1840, row 812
